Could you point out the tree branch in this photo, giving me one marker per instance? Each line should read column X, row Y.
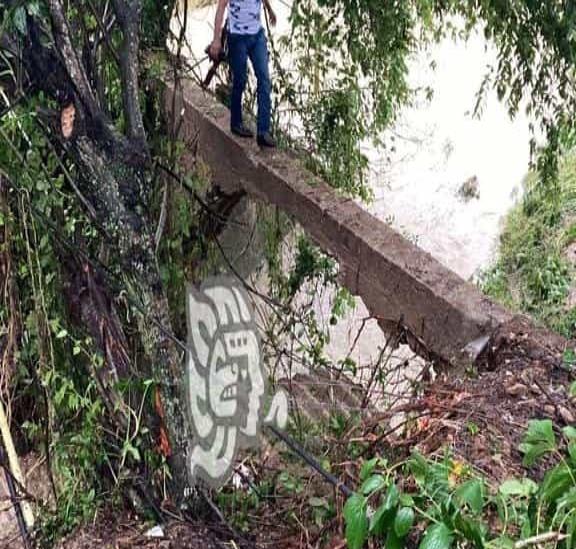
column 128, row 13
column 73, row 66
column 541, row 538
column 104, row 33
column 115, row 179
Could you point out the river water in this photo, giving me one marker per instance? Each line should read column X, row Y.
column 439, row 147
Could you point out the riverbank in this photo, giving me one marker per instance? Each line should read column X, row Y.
column 535, row 272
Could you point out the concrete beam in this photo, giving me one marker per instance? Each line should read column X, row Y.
column 398, row 282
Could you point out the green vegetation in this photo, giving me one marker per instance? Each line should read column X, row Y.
column 445, row 503
column 536, row 268
column 101, row 226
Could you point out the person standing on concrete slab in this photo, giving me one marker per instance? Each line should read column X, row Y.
column 246, row 39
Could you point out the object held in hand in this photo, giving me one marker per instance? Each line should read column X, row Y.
column 218, row 58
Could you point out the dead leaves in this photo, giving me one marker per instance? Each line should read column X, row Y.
column 163, row 441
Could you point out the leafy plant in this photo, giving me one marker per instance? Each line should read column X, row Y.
column 453, row 506
column 538, row 441
column 533, row 272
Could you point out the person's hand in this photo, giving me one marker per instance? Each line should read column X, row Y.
column 214, row 49
column 272, row 17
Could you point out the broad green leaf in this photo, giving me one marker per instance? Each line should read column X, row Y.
column 436, row 536
column 556, row 482
column 356, row 521
column 518, row 487
column 538, row 441
column 403, row 521
column 393, row 541
column 470, row 529
column 383, row 518
column 526, row 530
column 418, row 467
column 406, row 500
column 572, row 453
column 372, row 484
column 367, row 468
column 392, row 497
column 572, row 390
column 471, row 493
column 569, row 432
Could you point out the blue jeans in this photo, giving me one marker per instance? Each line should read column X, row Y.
column 240, row 48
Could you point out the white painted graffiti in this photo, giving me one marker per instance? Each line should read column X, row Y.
column 226, row 382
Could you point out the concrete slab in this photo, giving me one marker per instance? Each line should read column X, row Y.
column 400, row 283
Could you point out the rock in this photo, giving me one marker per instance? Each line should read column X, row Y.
column 566, row 415
column 517, row 389
column 469, row 189
column 154, row 532
column 550, row 410
column 241, row 477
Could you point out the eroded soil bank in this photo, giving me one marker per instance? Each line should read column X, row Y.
column 480, row 416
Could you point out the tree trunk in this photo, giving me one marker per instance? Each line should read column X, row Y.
column 114, row 187
column 118, row 193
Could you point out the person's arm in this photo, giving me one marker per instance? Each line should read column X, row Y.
column 271, row 14
column 216, row 45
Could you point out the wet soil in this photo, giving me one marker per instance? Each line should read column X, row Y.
column 483, row 415
column 113, row 531
column 480, row 415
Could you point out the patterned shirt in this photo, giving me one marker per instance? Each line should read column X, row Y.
column 244, row 16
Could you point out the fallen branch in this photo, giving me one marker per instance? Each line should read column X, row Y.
column 540, row 538
column 14, row 464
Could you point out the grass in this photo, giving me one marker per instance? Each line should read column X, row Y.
column 535, row 271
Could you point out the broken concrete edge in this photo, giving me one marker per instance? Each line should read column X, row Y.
column 445, row 318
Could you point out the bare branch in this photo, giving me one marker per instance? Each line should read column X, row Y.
column 541, row 538
column 104, row 32
column 70, row 59
column 128, row 13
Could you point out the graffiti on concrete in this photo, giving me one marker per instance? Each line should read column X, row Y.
column 226, row 385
